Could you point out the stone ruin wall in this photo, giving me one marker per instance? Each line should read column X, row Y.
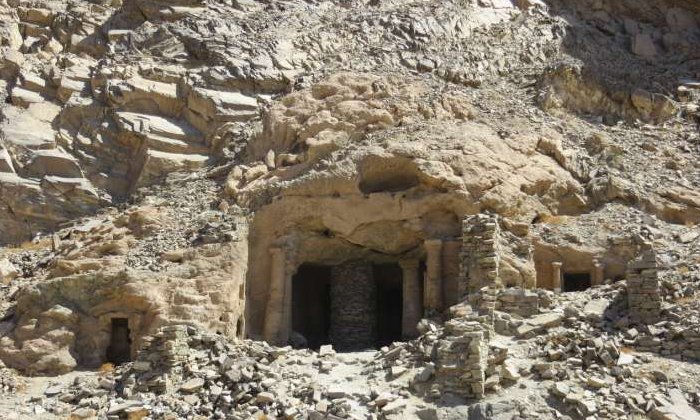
column 353, row 316
column 461, row 358
column 481, row 253
column 643, row 293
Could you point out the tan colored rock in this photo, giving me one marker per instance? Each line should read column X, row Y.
column 7, row 271
column 30, row 127
column 157, row 164
column 203, row 290
column 53, row 162
column 10, row 35
column 24, row 98
column 141, row 95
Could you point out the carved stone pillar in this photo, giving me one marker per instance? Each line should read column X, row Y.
column 433, row 281
column 276, row 323
column 598, row 272
column 412, row 305
column 556, row 276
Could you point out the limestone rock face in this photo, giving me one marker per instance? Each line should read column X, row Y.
column 79, row 133
column 177, row 164
column 66, row 321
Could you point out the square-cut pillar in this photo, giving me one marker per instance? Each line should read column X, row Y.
column 556, row 276
column 433, row 280
column 412, row 302
column 598, row 273
column 276, row 328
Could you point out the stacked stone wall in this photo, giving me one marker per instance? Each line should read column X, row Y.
column 518, row 301
column 166, row 351
column 481, row 253
column 353, row 307
column 461, row 358
column 643, row 293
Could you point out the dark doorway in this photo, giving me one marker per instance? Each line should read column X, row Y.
column 311, row 304
column 576, row 282
column 389, row 303
column 119, row 349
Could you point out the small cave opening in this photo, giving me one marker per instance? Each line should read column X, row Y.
column 311, row 305
column 387, row 175
column 119, row 349
column 389, row 303
column 576, row 282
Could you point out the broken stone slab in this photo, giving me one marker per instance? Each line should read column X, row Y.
column 595, row 308
column 157, row 163
column 265, row 398
column 424, row 374
column 397, row 371
column 83, row 413
column 597, row 382
column 222, row 105
column 145, row 124
column 117, row 408
column 539, row 322
column 394, row 407
column 335, row 392
column 678, row 410
column 560, row 389
column 688, row 237
column 53, row 162
column 24, row 97
column 509, row 371
column 30, row 127
column 326, row 350
column 192, row 385
column 53, row 390
column 384, row 398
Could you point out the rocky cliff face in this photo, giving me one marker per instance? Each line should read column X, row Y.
column 154, row 154
column 106, row 97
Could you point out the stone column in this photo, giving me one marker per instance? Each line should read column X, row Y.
column 598, row 272
column 412, row 305
column 556, row 276
column 275, row 328
column 433, row 281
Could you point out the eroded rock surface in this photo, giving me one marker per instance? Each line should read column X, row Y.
column 500, row 196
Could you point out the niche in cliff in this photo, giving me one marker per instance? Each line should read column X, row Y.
column 381, row 174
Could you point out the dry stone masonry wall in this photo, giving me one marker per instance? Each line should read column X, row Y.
column 480, row 255
column 353, row 311
column 643, row 293
column 461, row 358
column 518, row 301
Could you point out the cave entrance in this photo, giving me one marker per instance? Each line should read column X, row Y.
column 389, row 302
column 353, row 306
column 576, row 282
column 119, row 349
column 311, row 304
